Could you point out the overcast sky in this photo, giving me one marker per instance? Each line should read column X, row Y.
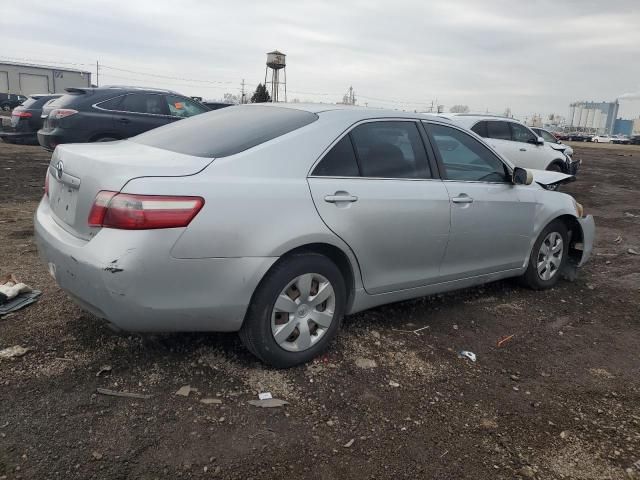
column 532, row 56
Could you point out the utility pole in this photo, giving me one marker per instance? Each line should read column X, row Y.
column 242, row 94
column 97, row 73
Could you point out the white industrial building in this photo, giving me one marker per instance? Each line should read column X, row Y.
column 27, row 79
column 593, row 117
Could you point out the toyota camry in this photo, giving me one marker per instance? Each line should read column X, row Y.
column 277, row 220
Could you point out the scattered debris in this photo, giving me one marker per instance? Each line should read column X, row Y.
column 393, row 384
column 13, row 352
column 365, row 363
column 618, row 239
column 564, row 434
column 185, row 391
column 349, row 443
column 503, row 340
column 488, row 424
column 630, row 215
column 268, row 403
column 265, row 396
column 467, row 354
column 211, row 401
column 416, row 331
column 444, row 453
column 633, row 251
column 15, row 295
column 96, row 455
column 113, row 393
column 103, row 369
column 527, row 472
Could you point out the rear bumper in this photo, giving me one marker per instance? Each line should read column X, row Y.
column 17, row 136
column 588, row 226
column 50, row 139
column 130, row 279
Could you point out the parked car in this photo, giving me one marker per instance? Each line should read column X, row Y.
column 620, row 139
column 604, row 138
column 579, row 137
column 635, row 140
column 217, row 105
column 517, row 142
column 276, row 220
column 553, row 141
column 111, row 113
column 9, row 101
column 26, row 120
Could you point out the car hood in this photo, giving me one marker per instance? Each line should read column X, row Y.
column 547, row 178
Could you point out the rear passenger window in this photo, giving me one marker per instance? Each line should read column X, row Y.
column 481, row 129
column 339, row 162
column 498, row 130
column 144, row 103
column 112, row 103
column 390, row 150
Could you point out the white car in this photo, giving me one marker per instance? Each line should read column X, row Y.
column 516, row 142
column 602, row 139
column 553, row 142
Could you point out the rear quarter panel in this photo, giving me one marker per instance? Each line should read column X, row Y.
column 257, row 202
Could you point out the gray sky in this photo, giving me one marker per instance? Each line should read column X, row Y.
column 532, row 56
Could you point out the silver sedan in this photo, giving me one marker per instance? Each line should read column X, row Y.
column 277, row 220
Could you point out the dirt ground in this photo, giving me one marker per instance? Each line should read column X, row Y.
column 560, row 400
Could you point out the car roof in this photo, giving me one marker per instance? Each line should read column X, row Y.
column 353, row 111
column 470, row 119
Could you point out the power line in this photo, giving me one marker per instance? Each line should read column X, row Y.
column 207, row 83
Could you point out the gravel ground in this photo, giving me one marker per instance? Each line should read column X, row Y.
column 560, row 400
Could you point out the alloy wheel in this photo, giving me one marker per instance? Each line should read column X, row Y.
column 303, row 312
column 550, row 256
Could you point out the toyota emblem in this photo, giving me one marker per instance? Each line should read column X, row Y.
column 59, row 169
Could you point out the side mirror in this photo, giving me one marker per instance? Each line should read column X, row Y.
column 522, row 176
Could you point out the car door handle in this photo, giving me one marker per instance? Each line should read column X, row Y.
column 340, row 197
column 462, row 198
column 523, row 149
column 124, row 120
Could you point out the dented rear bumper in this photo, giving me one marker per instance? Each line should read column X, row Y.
column 130, row 279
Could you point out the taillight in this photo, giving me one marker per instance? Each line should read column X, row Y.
column 21, row 114
column 59, row 113
column 46, row 184
column 142, row 212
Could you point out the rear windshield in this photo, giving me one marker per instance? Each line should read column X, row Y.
column 226, row 131
column 30, row 102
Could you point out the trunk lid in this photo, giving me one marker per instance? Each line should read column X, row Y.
column 77, row 172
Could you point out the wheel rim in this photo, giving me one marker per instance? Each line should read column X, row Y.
column 550, row 256
column 303, row 312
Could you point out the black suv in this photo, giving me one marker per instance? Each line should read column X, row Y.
column 26, row 120
column 111, row 113
column 9, row 101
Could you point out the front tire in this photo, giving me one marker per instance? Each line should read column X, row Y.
column 548, row 257
column 296, row 311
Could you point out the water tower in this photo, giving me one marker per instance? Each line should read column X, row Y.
column 276, row 61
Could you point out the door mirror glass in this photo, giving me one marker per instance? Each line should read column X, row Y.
column 522, row 176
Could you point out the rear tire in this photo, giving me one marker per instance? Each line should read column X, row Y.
column 6, row 107
column 280, row 325
column 548, row 257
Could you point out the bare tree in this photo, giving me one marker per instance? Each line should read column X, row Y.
column 459, row 109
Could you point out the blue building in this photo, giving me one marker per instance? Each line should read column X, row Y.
column 623, row 127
